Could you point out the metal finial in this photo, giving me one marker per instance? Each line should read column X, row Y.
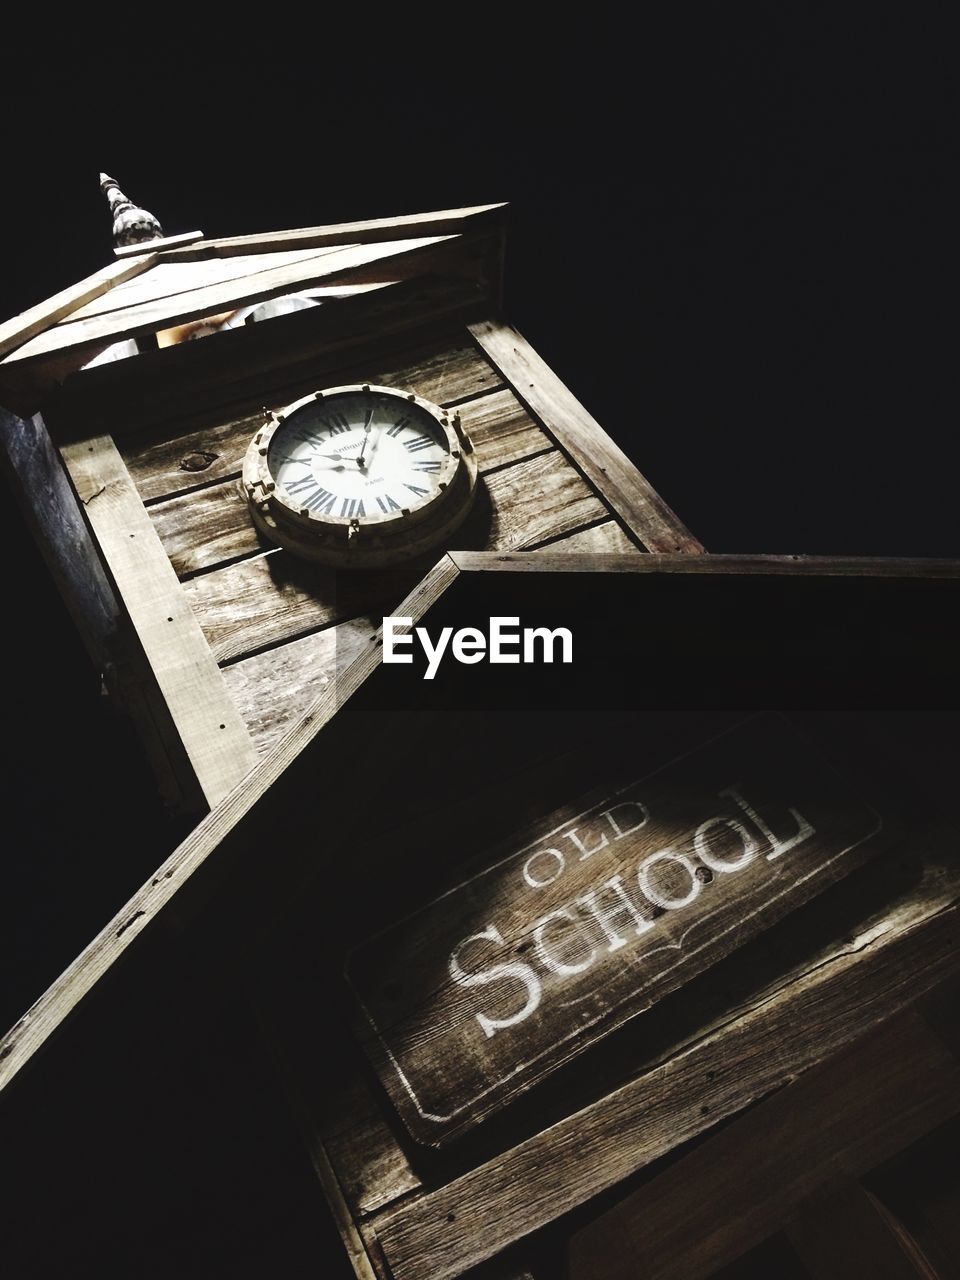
column 131, row 224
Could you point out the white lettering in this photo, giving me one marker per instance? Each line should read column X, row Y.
column 434, row 653
column 701, row 844
column 656, row 895
column 499, row 637
column 625, row 831
column 543, row 853
column 496, row 973
column 469, row 645
column 584, row 852
column 531, row 634
column 604, row 915
column 561, row 967
column 391, row 639
column 778, row 846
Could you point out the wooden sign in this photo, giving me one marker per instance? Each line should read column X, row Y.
column 623, row 897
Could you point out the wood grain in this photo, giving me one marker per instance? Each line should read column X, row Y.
column 475, row 997
column 256, row 603
column 858, row 983
column 273, row 689
column 161, row 313
column 167, row 279
column 164, row 464
column 206, row 527
column 28, row 324
column 790, row 566
column 442, row 222
column 158, row 246
column 743, row 1184
column 139, row 913
column 211, row 731
column 630, row 495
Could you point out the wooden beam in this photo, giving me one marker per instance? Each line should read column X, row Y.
column 158, row 246
column 148, row 317
column 788, row 566
column 634, row 500
column 210, row 728
column 14, row 333
column 863, row 982
column 442, row 222
column 137, row 916
column 742, row 1185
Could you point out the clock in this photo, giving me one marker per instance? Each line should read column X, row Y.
column 360, row 476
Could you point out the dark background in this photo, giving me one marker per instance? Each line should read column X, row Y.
column 731, row 242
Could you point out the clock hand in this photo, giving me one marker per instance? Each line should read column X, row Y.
column 366, row 439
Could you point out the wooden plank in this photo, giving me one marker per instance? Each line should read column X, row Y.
column 137, row 916
column 210, row 728
column 845, row 1231
column 167, row 279
column 273, row 689
column 261, row 602
column 611, row 906
column 736, row 1189
column 442, row 222
column 197, row 303
column 163, row 464
column 630, row 495
column 606, row 538
column 20, row 329
column 204, row 528
column 158, row 246
column 790, row 566
column 853, row 986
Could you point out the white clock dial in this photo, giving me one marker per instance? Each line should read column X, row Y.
column 359, row 455
column 360, row 476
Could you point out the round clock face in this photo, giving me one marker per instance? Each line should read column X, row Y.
column 360, row 475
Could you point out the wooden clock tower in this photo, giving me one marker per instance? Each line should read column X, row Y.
column 635, row 964
column 214, row 638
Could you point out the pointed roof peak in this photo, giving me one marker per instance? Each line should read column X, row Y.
column 131, row 224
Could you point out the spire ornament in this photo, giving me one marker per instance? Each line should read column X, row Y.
column 131, row 224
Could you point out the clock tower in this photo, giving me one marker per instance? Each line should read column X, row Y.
column 252, row 447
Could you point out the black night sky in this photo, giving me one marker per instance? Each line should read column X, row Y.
column 731, row 242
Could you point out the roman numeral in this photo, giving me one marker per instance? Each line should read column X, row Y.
column 398, row 427
column 421, row 465
column 386, row 503
column 352, row 507
column 413, row 489
column 336, row 423
column 419, row 442
column 313, row 497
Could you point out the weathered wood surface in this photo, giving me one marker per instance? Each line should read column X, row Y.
column 138, row 914
column 177, row 241
column 844, row 1231
column 790, row 566
column 742, row 1185
column 21, row 328
column 206, row 527
column 167, row 279
column 254, row 603
column 839, row 995
column 274, row 688
column 442, row 222
column 233, row 372
column 161, row 313
column 448, row 372
column 634, row 500
column 211, row 731
column 567, row 935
